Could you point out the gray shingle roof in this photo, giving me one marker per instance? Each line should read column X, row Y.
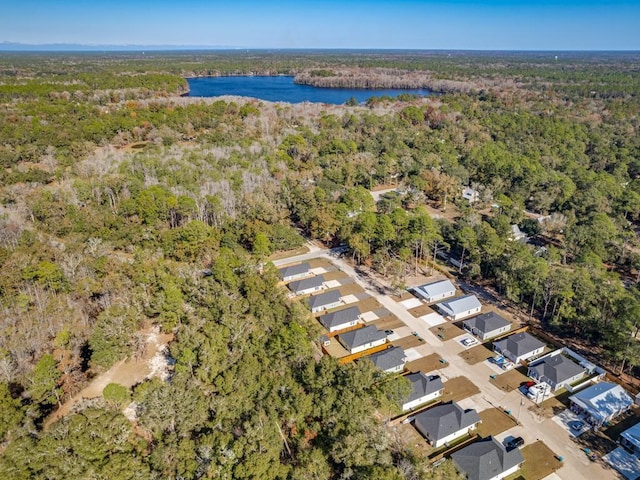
column 328, row 298
column 306, row 283
column 519, row 344
column 435, row 288
column 487, row 322
column 423, row 385
column 443, row 420
column 557, row 368
column 387, row 359
column 460, row 304
column 294, row 270
column 339, row 317
column 362, row 336
column 486, row 459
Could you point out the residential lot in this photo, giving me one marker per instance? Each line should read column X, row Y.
column 539, row 462
column 426, row 364
column 409, row 341
column 476, row 354
column 494, row 422
column 389, row 322
column 335, row 349
column 554, row 405
column 467, row 375
column 447, row 331
column 410, row 438
column 511, row 380
column 342, row 277
column 459, row 388
column 420, row 311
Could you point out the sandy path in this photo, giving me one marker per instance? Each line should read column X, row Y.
column 127, row 372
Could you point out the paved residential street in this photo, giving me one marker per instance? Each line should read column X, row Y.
column 576, row 463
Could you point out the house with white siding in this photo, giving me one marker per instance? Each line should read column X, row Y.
column 460, row 307
column 433, row 292
column 325, row 301
column 556, row 370
column 487, row 459
column 446, row 422
column 518, row 347
column 424, row 388
column 341, row 319
column 487, row 325
column 601, row 403
column 307, row 285
column 295, row 272
column 391, row 360
column 361, row 339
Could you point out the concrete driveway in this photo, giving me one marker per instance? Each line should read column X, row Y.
column 572, row 423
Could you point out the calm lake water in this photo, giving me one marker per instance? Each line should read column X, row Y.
column 282, row 89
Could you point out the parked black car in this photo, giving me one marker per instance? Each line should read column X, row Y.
column 515, row 442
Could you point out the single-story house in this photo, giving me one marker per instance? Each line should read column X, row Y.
column 630, row 439
column 518, row 347
column 625, row 462
column 487, row 459
column 556, row 370
column 307, row 285
column 424, row 388
column 435, row 291
column 470, row 195
column 601, row 403
column 461, row 307
column 295, row 272
column 340, row 319
column 391, row 360
column 325, row 301
column 517, row 235
column 362, row 339
column 444, row 423
column 487, row 325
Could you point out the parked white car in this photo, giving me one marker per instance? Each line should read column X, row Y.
column 537, row 392
column 469, row 341
column 507, row 365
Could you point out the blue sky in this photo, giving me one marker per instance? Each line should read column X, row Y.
column 462, row 24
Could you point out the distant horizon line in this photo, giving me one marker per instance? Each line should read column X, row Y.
column 7, row 46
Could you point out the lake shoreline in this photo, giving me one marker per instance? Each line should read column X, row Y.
column 285, row 88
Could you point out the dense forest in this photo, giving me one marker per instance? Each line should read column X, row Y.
column 124, row 205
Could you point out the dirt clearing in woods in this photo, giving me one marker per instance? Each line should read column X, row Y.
column 152, row 363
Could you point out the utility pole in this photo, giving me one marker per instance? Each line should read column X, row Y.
column 519, row 408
